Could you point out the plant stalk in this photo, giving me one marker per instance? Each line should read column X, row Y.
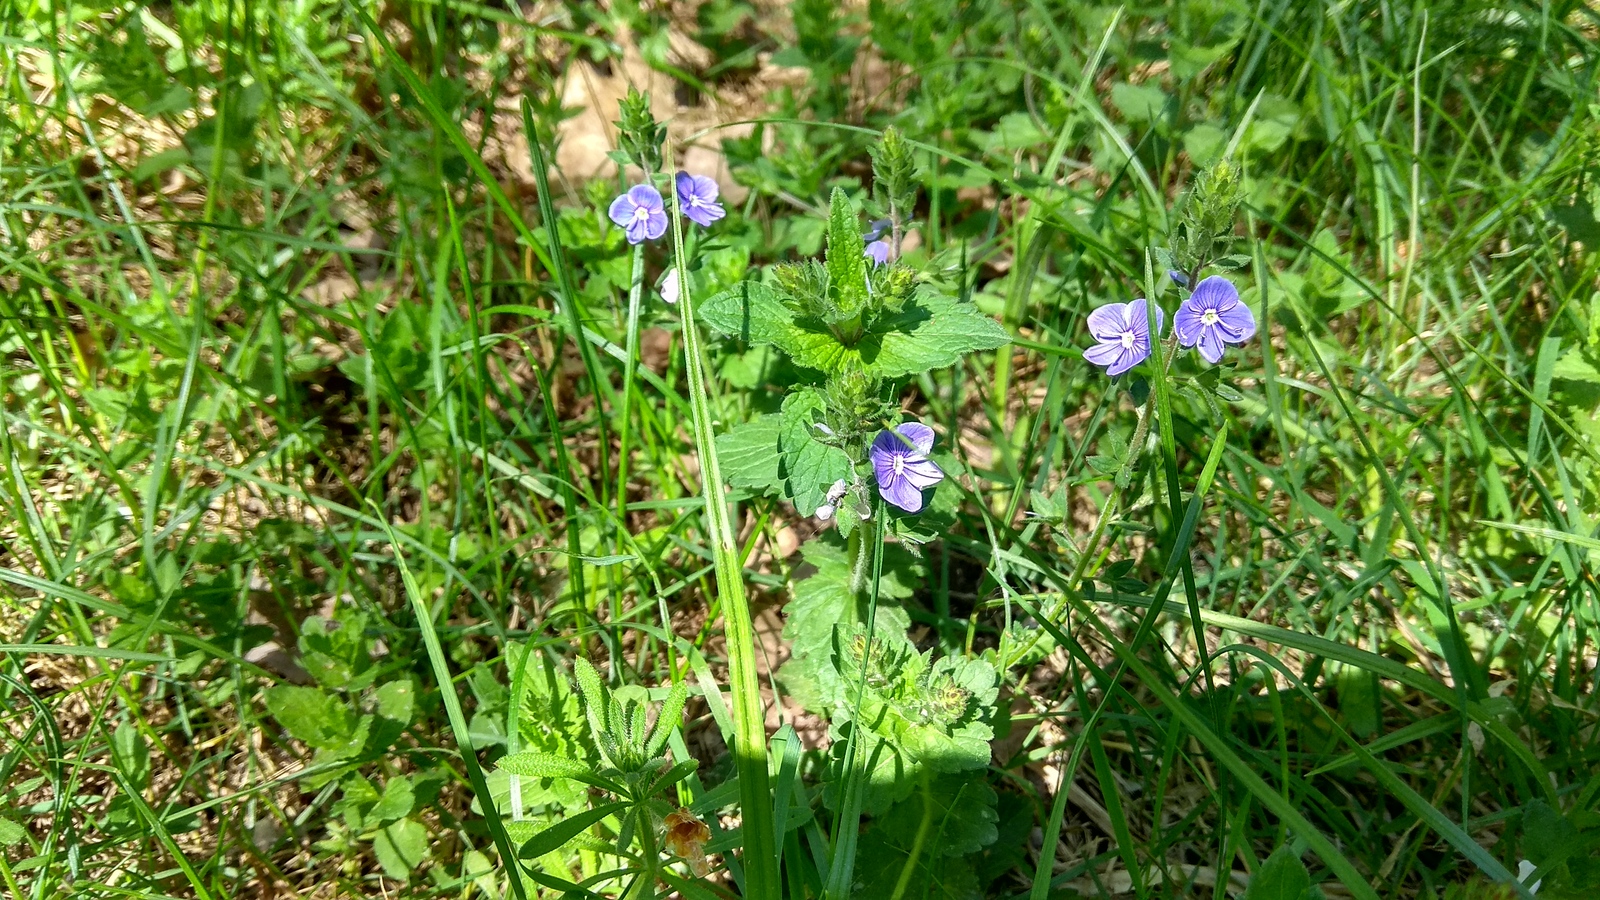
column 749, row 719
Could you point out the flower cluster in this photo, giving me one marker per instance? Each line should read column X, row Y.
column 1208, row 320
column 642, row 213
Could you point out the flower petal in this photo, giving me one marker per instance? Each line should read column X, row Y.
column 670, row 288
column 1126, row 360
column 1238, row 322
column 923, row 473
column 920, row 435
column 1210, row 344
column 621, row 211
column 885, row 447
column 646, row 196
column 1186, row 323
column 1137, row 321
column 1108, row 322
column 878, row 252
column 902, row 493
column 1214, row 292
column 656, row 225
column 1103, row 354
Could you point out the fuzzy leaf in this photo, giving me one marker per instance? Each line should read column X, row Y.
column 847, row 262
column 748, row 454
column 932, row 331
column 824, row 599
column 751, row 312
column 668, row 718
column 319, row 719
column 880, row 862
column 534, row 764
column 809, row 467
column 557, row 835
column 935, row 331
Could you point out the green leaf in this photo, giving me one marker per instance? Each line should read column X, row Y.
column 960, row 810
column 396, row 803
column 1282, row 877
column 557, row 835
column 920, row 716
column 534, row 764
column 753, row 313
column 313, row 716
column 667, row 718
column 748, row 454
column 824, row 599
column 131, row 754
column 397, row 700
column 401, row 848
column 11, row 834
column 934, row 331
column 880, row 862
column 808, row 466
column 847, row 262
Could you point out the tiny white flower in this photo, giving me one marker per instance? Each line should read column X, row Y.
column 822, row 428
column 824, row 512
column 1524, row 869
column 836, row 491
column 670, row 287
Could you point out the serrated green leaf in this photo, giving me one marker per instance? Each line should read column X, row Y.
column 596, row 702
column 808, row 466
column 934, row 331
column 396, row 700
column 313, row 716
column 751, row 312
column 748, row 454
column 667, row 718
column 847, row 262
column 822, row 600
column 534, row 764
column 396, row 803
column 401, row 848
column 879, row 864
column 1282, row 877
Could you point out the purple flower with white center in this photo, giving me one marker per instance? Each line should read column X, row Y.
column 697, row 195
column 1122, row 332
column 878, row 252
column 900, row 462
column 641, row 213
column 1212, row 317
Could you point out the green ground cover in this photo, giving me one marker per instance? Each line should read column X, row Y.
column 372, row 525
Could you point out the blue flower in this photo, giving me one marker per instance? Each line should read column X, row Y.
column 1212, row 317
column 900, row 463
column 641, row 213
column 878, row 252
column 697, row 195
column 1122, row 335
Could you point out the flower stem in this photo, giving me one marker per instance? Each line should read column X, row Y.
column 749, row 719
column 630, row 369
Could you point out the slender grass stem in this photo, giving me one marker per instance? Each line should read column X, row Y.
column 750, row 735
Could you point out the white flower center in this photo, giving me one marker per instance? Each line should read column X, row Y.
column 899, row 464
column 1127, row 340
column 1209, row 317
column 640, row 214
